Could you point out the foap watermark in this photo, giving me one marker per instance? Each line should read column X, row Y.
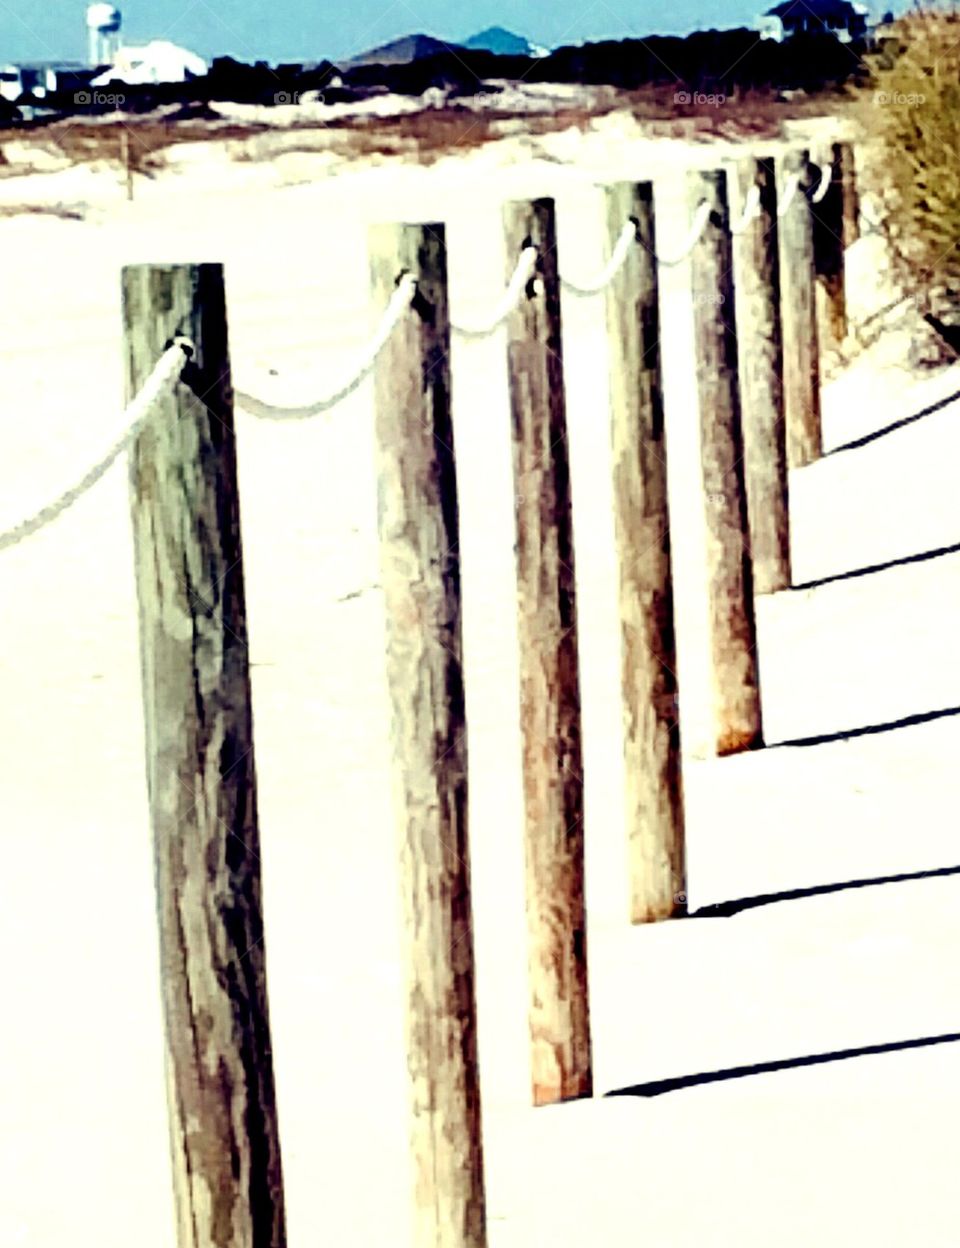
column 899, row 99
column 711, row 299
column 699, row 97
column 99, row 99
column 297, row 97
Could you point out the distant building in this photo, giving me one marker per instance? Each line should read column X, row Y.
column 41, row 80
column 155, row 62
column 844, row 19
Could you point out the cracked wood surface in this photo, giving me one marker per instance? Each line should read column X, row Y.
column 654, row 804
column 200, row 770
column 736, row 693
column 420, row 558
column 756, row 271
column 550, row 686
column 798, row 313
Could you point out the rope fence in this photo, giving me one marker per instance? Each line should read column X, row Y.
column 755, row 422
column 169, row 366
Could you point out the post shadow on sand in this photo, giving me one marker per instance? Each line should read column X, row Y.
column 922, row 557
column 897, row 424
column 726, row 909
column 657, row 1087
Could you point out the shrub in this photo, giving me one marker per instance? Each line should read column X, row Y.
column 912, row 113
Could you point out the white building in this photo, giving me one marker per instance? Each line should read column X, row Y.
column 155, row 62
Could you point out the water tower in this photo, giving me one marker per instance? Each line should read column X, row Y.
column 103, row 28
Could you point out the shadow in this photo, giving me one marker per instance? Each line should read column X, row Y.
column 922, row 557
column 897, row 424
column 657, row 1087
column 908, row 721
column 726, row 909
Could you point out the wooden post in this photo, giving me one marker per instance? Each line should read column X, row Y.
column 845, row 158
column 730, row 575
column 756, row 277
column 798, row 318
column 550, row 688
column 200, row 769
column 421, row 578
column 126, row 161
column 654, row 801
column 828, row 248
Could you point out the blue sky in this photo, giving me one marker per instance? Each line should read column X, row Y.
column 310, row 29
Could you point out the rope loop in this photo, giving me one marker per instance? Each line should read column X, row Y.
column 523, row 275
column 826, row 177
column 625, row 243
column 400, row 301
column 163, row 377
column 751, row 210
column 698, row 225
column 791, row 186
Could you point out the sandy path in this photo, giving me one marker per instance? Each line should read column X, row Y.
column 84, row 1116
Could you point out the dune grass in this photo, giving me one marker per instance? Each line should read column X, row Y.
column 911, row 113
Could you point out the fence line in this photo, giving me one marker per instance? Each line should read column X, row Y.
column 751, row 283
column 403, row 298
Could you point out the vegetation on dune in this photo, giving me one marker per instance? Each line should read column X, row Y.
column 912, row 112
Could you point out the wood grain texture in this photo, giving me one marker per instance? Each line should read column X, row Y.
column 756, row 273
column 798, row 318
column 550, row 688
column 828, row 253
column 419, row 534
column 846, row 157
column 736, row 694
column 200, row 770
column 654, row 802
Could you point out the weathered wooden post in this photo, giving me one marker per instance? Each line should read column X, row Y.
column 200, row 769
column 845, row 160
column 126, row 161
column 827, row 215
column 730, row 574
column 798, row 316
column 756, row 279
column 550, row 687
column 421, row 578
column 654, row 801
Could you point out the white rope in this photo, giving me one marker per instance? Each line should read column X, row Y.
column 624, row 245
column 522, row 275
column 751, row 210
column 400, row 301
column 792, row 186
column 826, row 177
column 700, row 219
column 166, row 372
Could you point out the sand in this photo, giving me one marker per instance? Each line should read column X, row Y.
column 851, row 1152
